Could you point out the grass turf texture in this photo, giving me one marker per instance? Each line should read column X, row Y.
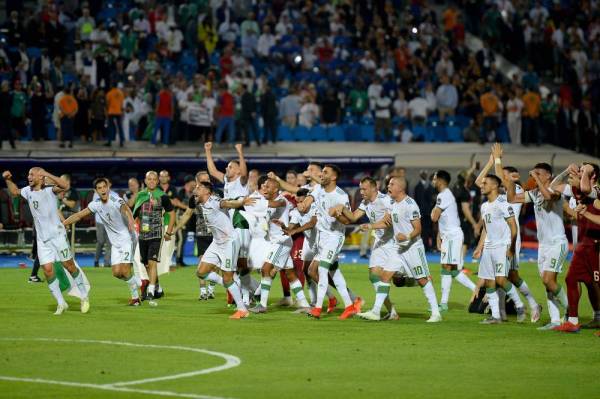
column 284, row 354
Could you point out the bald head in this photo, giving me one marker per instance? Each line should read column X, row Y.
column 151, row 179
column 397, row 187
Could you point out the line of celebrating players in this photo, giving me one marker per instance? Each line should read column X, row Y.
column 253, row 229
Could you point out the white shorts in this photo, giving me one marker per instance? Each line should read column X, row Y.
column 279, row 254
column 493, row 263
column 329, row 247
column 56, row 249
column 451, row 253
column 243, row 238
column 121, row 253
column 513, row 263
column 224, row 256
column 386, row 257
column 308, row 251
column 414, row 262
column 258, row 252
column 552, row 257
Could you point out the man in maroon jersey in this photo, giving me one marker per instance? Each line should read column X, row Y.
column 584, row 266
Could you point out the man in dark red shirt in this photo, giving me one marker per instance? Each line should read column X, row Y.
column 164, row 115
column 226, row 112
column 584, row 266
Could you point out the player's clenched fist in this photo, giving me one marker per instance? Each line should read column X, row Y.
column 6, row 175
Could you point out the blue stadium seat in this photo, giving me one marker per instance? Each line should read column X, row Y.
column 502, row 134
column 302, row 133
column 284, row 133
column 422, row 133
column 34, row 52
column 336, row 133
column 318, row 133
column 352, row 132
column 454, row 133
column 438, row 131
column 367, row 133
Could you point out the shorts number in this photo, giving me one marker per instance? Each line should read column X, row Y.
column 126, row 255
column 329, row 254
column 443, row 255
column 65, row 253
column 553, row 264
column 228, row 263
column 270, row 255
column 596, row 276
column 499, row 267
column 418, row 270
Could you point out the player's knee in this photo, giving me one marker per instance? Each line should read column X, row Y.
column 201, row 275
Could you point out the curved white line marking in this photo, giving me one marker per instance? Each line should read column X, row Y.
column 230, row 362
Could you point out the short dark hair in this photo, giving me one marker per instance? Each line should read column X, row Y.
column 206, row 185
column 596, row 168
column 292, row 171
column 443, row 175
column 543, row 165
column 315, row 163
column 370, row 180
column 510, row 169
column 100, row 180
column 261, row 180
column 303, row 192
column 494, row 178
column 335, row 168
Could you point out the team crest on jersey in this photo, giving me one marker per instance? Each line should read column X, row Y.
column 439, row 201
column 395, row 217
column 501, row 199
column 415, row 214
column 510, row 211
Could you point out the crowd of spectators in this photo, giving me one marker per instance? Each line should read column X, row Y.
column 229, row 70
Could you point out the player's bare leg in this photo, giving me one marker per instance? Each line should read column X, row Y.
column 124, row 271
column 450, row 272
column 534, row 308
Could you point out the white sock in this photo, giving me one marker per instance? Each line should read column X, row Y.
column 493, row 300
column 56, row 293
column 245, row 296
column 151, row 288
column 215, row 278
column 202, row 290
column 446, row 285
column 340, row 284
column 235, row 292
column 553, row 309
column 312, row 291
column 514, row 295
column 501, row 302
column 81, row 283
column 211, row 288
column 431, row 298
column 296, row 288
column 524, row 289
column 573, row 320
column 322, row 286
column 133, row 287
column 265, row 288
column 464, row 280
column 383, row 290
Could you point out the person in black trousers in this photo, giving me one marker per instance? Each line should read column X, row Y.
column 5, row 117
column 248, row 116
column 268, row 107
column 38, row 113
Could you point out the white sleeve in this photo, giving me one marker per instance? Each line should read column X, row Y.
column 567, row 191
column 24, row 191
column 294, row 216
column 441, row 203
column 414, row 212
column 362, row 206
column 93, row 207
column 528, row 197
column 507, row 211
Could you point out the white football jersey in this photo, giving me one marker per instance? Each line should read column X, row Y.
column 325, row 201
column 449, row 223
column 495, row 215
column 111, row 194
column 217, row 220
column 402, row 214
column 515, row 206
column 44, row 209
column 301, row 219
column 111, row 217
column 282, row 214
column 375, row 211
column 548, row 217
column 234, row 189
column 256, row 216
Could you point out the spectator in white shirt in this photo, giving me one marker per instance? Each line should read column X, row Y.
column 383, row 118
column 418, row 109
column 374, row 91
column 401, row 105
column 265, row 42
column 446, row 97
column 514, row 107
column 309, row 113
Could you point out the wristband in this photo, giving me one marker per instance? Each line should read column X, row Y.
column 497, row 161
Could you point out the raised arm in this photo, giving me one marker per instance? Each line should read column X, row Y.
column 60, row 183
column 285, row 186
column 243, row 167
column 586, row 183
column 12, row 187
column 546, row 192
column 558, row 183
column 237, row 203
column 76, row 217
column 210, row 163
column 486, row 169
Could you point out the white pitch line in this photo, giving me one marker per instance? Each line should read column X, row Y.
column 230, row 362
column 109, row 388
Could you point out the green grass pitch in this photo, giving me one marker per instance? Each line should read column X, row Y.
column 285, row 355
